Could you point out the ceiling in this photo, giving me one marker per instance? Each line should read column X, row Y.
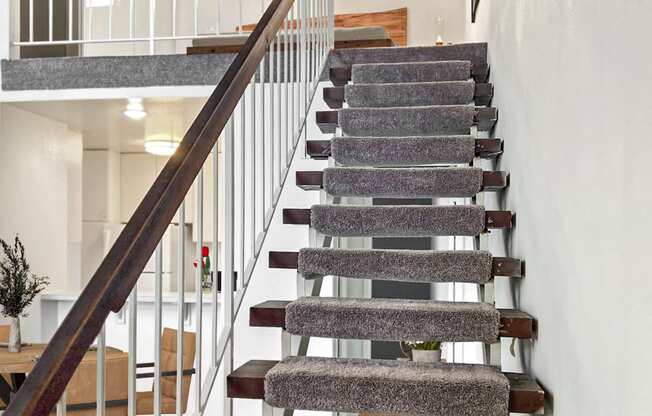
column 103, row 126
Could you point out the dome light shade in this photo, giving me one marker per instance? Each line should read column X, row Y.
column 135, row 109
column 161, row 147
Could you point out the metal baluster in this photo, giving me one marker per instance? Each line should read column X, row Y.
column 243, row 147
column 111, row 20
column 199, row 223
column 286, row 106
column 277, row 113
column 174, row 18
column 215, row 256
column 304, row 63
column 263, row 147
column 227, row 361
column 70, row 20
column 158, row 319
column 253, row 149
column 101, row 371
column 133, row 353
column 50, row 21
column 196, row 18
column 271, row 135
column 31, row 20
column 62, row 405
column 294, row 64
column 152, row 17
column 132, row 13
column 181, row 288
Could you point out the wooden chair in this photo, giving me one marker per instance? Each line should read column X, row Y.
column 145, row 400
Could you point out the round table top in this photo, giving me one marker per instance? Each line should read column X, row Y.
column 24, row 361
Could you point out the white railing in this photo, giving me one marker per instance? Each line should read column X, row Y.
column 101, row 27
column 248, row 168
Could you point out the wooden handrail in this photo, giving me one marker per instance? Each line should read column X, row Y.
column 118, row 273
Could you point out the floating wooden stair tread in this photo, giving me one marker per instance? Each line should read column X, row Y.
column 407, row 220
column 513, row 323
column 248, row 382
column 399, row 151
column 319, row 262
column 402, row 182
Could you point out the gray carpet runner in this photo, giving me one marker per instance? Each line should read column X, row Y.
column 411, row 72
column 402, row 151
column 403, row 182
column 392, row 319
column 398, row 220
column 407, row 121
column 429, row 266
column 409, row 94
column 387, row 386
column 476, row 53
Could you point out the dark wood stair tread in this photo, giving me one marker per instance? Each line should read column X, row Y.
column 513, row 323
column 248, row 382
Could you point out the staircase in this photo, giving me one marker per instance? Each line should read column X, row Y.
column 407, row 110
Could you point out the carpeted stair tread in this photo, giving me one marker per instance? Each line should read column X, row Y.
column 397, row 151
column 407, row 121
column 398, row 220
column 403, row 182
column 409, row 94
column 393, row 319
column 466, row 266
column 411, row 72
column 387, row 386
column 476, row 53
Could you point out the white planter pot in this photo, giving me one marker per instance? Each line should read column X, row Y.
column 426, row 356
column 14, row 335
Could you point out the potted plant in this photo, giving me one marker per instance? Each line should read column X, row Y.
column 207, row 280
column 425, row 352
column 18, row 288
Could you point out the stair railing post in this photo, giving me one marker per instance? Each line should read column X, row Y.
column 229, row 233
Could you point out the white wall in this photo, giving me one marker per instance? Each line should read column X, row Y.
column 572, row 82
column 40, row 175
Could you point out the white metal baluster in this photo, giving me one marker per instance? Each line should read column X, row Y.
column 132, row 14
column 218, row 13
column 215, row 255
column 227, row 360
column 196, row 18
column 331, row 24
column 294, row 63
column 263, row 147
column 277, row 113
column 101, row 371
column 304, row 63
column 133, row 332
column 152, row 17
column 199, row 223
column 62, row 407
column 253, row 149
column 243, row 147
column 240, row 21
column 111, row 20
column 158, row 319
column 286, row 103
column 70, row 18
column 31, row 20
column 50, row 20
column 174, row 18
column 181, row 313
column 272, row 130
column 90, row 23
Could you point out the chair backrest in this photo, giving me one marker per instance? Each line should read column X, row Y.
column 169, row 363
column 4, row 333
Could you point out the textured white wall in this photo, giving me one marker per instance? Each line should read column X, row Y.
column 572, row 82
column 40, row 168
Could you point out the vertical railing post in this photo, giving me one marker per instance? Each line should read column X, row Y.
column 158, row 319
column 229, row 233
column 215, row 256
column 181, row 290
column 133, row 352
column 152, row 25
column 199, row 272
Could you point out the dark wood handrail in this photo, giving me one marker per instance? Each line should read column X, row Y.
column 118, row 273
